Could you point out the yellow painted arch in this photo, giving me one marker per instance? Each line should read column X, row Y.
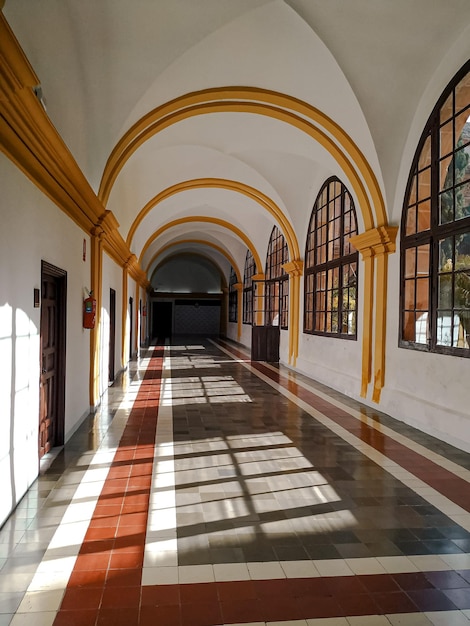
column 262, row 102
column 207, row 220
column 231, row 185
column 202, row 242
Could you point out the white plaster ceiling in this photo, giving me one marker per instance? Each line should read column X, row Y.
column 374, row 67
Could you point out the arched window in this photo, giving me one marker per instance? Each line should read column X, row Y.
column 277, row 281
column 232, row 297
column 250, row 271
column 331, row 264
column 435, row 232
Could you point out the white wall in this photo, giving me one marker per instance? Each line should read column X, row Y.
column 429, row 391
column 34, row 229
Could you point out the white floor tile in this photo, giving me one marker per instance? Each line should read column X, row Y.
column 160, row 576
column 333, row 567
column 231, row 571
column 196, row 574
column 34, row 619
column 266, row 571
column 447, row 618
column 41, row 601
column 409, row 619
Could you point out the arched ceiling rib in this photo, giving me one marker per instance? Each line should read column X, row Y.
column 200, row 219
column 260, row 102
column 189, row 245
column 230, row 185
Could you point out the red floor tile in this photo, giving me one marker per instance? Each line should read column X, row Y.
column 82, row 597
column 162, row 595
column 395, row 602
column 160, row 616
column 121, row 597
column 76, row 618
column 200, row 614
column 118, row 617
column 357, row 604
column 199, row 593
column 379, row 583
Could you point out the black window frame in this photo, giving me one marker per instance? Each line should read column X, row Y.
column 436, row 230
column 323, row 261
column 276, row 299
column 232, row 297
column 249, row 272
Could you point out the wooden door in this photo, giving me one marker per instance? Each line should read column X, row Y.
column 131, row 328
column 112, row 334
column 52, row 379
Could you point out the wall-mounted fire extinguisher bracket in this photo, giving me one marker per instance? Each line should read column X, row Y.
column 89, row 311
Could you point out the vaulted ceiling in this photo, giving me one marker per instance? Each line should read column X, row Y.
column 202, row 123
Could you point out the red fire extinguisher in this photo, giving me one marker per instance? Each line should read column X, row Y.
column 89, row 311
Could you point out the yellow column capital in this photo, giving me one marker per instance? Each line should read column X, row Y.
column 379, row 240
column 294, row 268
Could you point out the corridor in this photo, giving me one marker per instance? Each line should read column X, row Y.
column 210, row 490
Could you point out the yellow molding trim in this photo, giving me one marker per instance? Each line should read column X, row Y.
column 124, row 343
column 96, row 268
column 230, row 185
column 295, row 270
column 30, row 140
column 206, row 220
column 199, row 241
column 263, row 102
column 375, row 245
column 376, row 239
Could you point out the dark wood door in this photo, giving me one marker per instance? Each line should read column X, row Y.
column 112, row 334
column 265, row 343
column 131, row 328
column 51, row 407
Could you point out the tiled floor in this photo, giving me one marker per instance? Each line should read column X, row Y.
column 210, row 490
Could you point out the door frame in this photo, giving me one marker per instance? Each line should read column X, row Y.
column 112, row 336
column 60, row 276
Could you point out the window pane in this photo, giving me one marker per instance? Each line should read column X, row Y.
column 424, row 184
column 423, row 260
column 446, row 173
column 462, row 201
column 462, row 165
column 425, row 156
column 447, row 329
column 446, row 207
column 409, row 326
column 462, row 93
column 412, row 197
column 424, row 216
column 462, row 126
column 446, row 139
column 411, row 221
column 422, row 294
column 409, row 302
column 447, row 109
column 462, row 252
column 410, row 262
column 446, row 254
